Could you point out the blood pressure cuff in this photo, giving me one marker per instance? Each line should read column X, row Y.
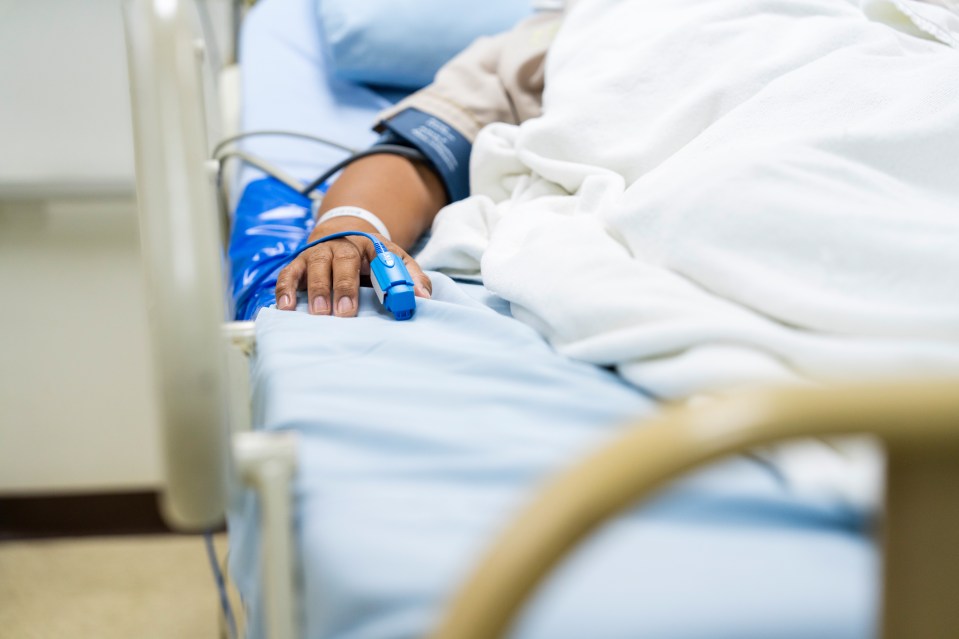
column 447, row 150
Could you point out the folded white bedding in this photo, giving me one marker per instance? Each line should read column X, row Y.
column 770, row 182
column 935, row 19
column 766, row 193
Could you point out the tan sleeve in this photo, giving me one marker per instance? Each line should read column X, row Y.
column 495, row 79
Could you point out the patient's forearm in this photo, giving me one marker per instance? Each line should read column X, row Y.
column 406, row 195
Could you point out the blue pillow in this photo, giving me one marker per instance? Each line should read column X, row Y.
column 403, row 43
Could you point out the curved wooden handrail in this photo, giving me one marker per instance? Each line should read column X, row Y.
column 917, row 418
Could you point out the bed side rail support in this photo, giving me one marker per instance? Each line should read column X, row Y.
column 921, row 564
column 202, row 367
column 239, row 341
column 919, row 424
column 266, row 461
column 180, row 238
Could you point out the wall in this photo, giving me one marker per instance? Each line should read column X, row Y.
column 64, row 106
column 76, row 405
column 77, row 412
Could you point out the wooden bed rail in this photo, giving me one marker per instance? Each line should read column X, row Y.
column 918, row 422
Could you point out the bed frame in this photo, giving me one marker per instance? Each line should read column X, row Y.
column 209, row 451
column 200, row 357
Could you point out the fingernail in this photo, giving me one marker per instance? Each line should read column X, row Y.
column 320, row 305
column 285, row 301
column 421, row 292
column 344, row 306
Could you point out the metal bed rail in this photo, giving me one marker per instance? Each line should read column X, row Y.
column 200, row 356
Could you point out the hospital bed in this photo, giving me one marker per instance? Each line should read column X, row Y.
column 383, row 513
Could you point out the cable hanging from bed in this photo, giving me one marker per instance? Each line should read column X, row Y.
column 379, row 149
column 220, row 155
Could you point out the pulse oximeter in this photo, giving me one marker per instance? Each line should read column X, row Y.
column 393, row 285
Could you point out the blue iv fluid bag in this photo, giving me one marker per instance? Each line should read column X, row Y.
column 272, row 221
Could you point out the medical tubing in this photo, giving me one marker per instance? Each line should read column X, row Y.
column 379, row 149
column 279, row 133
column 270, row 169
column 220, row 586
column 378, row 246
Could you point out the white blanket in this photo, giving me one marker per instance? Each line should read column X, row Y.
column 729, row 192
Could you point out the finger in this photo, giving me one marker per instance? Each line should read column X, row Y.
column 422, row 285
column 346, row 278
column 366, row 253
column 319, row 262
column 287, row 282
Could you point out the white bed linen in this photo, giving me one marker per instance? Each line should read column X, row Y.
column 767, row 194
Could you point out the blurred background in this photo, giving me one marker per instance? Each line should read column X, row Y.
column 79, row 461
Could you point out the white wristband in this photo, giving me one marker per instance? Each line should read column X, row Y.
column 355, row 211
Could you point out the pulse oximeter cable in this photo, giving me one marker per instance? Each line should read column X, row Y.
column 379, row 149
column 378, row 246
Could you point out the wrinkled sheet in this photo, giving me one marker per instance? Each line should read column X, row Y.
column 420, row 439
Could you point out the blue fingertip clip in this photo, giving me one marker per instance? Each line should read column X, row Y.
column 393, row 285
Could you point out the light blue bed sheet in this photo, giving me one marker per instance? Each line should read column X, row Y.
column 419, row 441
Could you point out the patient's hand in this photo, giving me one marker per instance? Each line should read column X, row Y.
column 405, row 195
column 330, row 272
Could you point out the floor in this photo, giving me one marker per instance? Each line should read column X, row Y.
column 144, row 587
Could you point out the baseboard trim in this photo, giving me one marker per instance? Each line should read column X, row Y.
column 40, row 517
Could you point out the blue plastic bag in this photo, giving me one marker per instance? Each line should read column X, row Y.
column 272, row 221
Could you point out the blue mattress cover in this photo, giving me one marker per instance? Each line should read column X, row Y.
column 420, row 439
